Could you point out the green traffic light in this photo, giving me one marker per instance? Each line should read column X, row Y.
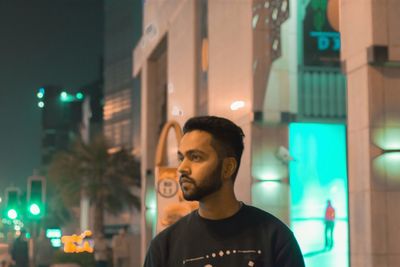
column 79, row 96
column 41, row 104
column 34, row 209
column 64, row 96
column 39, row 95
column 12, row 214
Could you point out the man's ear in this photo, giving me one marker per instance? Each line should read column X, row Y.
column 229, row 167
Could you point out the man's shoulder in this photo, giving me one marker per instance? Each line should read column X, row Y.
column 260, row 213
column 264, row 218
column 175, row 229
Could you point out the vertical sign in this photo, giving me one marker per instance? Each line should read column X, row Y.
column 321, row 41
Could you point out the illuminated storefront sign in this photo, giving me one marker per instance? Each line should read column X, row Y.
column 54, row 234
column 327, row 40
column 77, row 243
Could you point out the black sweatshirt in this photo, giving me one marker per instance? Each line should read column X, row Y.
column 251, row 237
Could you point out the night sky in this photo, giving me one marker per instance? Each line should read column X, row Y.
column 57, row 42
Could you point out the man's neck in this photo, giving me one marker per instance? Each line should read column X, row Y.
column 219, row 206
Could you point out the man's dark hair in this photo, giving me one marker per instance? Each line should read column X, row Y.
column 227, row 136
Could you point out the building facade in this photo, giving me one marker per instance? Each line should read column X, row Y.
column 370, row 53
column 209, row 57
column 277, row 69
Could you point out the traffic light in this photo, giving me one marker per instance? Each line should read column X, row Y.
column 40, row 96
column 79, row 96
column 40, row 93
column 36, row 196
column 67, row 97
column 64, row 96
column 12, row 205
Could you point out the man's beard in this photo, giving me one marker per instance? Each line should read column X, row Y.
column 209, row 185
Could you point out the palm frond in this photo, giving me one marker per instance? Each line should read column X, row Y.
column 105, row 178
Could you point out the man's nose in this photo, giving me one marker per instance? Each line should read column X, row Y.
column 183, row 167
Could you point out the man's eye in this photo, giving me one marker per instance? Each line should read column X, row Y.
column 196, row 157
column 180, row 159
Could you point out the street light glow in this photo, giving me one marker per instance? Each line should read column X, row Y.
column 237, row 105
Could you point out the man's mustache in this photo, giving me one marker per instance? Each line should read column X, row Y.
column 184, row 178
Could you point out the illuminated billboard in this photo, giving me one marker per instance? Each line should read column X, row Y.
column 319, row 194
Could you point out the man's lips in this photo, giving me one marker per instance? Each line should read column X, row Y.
column 185, row 179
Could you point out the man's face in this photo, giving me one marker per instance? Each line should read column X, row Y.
column 199, row 168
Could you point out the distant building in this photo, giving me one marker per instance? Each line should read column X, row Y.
column 123, row 23
column 122, row 98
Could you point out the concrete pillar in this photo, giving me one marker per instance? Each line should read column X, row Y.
column 370, row 52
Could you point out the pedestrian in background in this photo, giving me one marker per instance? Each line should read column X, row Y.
column 329, row 225
column 120, row 247
column 100, row 250
column 19, row 251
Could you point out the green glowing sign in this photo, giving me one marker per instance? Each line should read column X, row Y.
column 53, row 233
column 55, row 242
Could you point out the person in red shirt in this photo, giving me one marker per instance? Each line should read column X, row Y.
column 329, row 225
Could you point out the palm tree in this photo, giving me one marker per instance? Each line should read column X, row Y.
column 105, row 178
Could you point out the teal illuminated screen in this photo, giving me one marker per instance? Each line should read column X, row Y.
column 318, row 176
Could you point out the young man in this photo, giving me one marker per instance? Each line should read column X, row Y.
column 223, row 231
